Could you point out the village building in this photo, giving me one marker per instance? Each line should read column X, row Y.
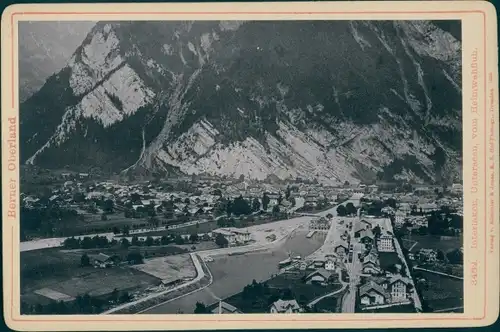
column 103, row 261
column 225, row 308
column 233, row 235
column 398, row 288
column 319, row 262
column 320, row 277
column 319, row 224
column 341, row 249
column 366, row 237
column 229, row 236
column 330, row 264
column 285, row 307
column 372, row 294
column 427, row 207
column 399, row 218
column 385, row 243
column 371, row 265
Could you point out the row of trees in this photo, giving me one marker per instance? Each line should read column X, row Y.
column 103, row 242
column 347, row 210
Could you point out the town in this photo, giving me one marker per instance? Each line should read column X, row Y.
column 201, row 244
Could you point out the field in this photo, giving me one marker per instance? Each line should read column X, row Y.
column 103, row 281
column 418, row 242
column 232, row 273
column 442, row 292
column 169, row 269
column 54, row 271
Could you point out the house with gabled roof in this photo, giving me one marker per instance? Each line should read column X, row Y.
column 372, row 293
column 225, row 308
column 341, row 248
column 320, row 276
column 398, row 287
column 366, row 237
column 285, row 307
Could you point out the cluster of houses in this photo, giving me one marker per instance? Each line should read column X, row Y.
column 384, row 279
column 395, row 289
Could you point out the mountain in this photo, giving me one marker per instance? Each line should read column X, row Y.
column 44, row 49
column 326, row 100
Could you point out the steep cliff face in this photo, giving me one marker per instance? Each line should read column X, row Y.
column 328, row 100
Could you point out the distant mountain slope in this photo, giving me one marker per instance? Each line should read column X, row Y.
column 328, row 100
column 44, row 49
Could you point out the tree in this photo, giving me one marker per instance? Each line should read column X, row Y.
column 154, row 221
column 241, row 206
column 329, row 216
column 200, row 307
column 440, row 255
column 71, row 243
column 135, row 257
column 288, row 192
column 104, row 217
column 109, row 206
column 229, row 208
column 124, row 297
column 280, row 199
column 164, row 240
column 179, row 240
column 116, row 230
column 265, row 201
column 455, row 256
column 255, row 204
column 126, row 230
column 135, row 198
column 376, row 231
column 113, row 297
column 341, row 211
column 135, row 241
column 292, row 200
column 346, row 184
column 351, row 209
column 84, row 260
column 193, row 238
column 276, row 210
column 128, row 213
column 221, row 241
column 124, row 242
column 149, row 241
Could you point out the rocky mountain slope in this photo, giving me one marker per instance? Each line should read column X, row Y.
column 44, row 49
column 333, row 101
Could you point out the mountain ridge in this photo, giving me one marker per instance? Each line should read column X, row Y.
column 363, row 100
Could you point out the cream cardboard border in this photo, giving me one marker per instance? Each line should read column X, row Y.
column 479, row 35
